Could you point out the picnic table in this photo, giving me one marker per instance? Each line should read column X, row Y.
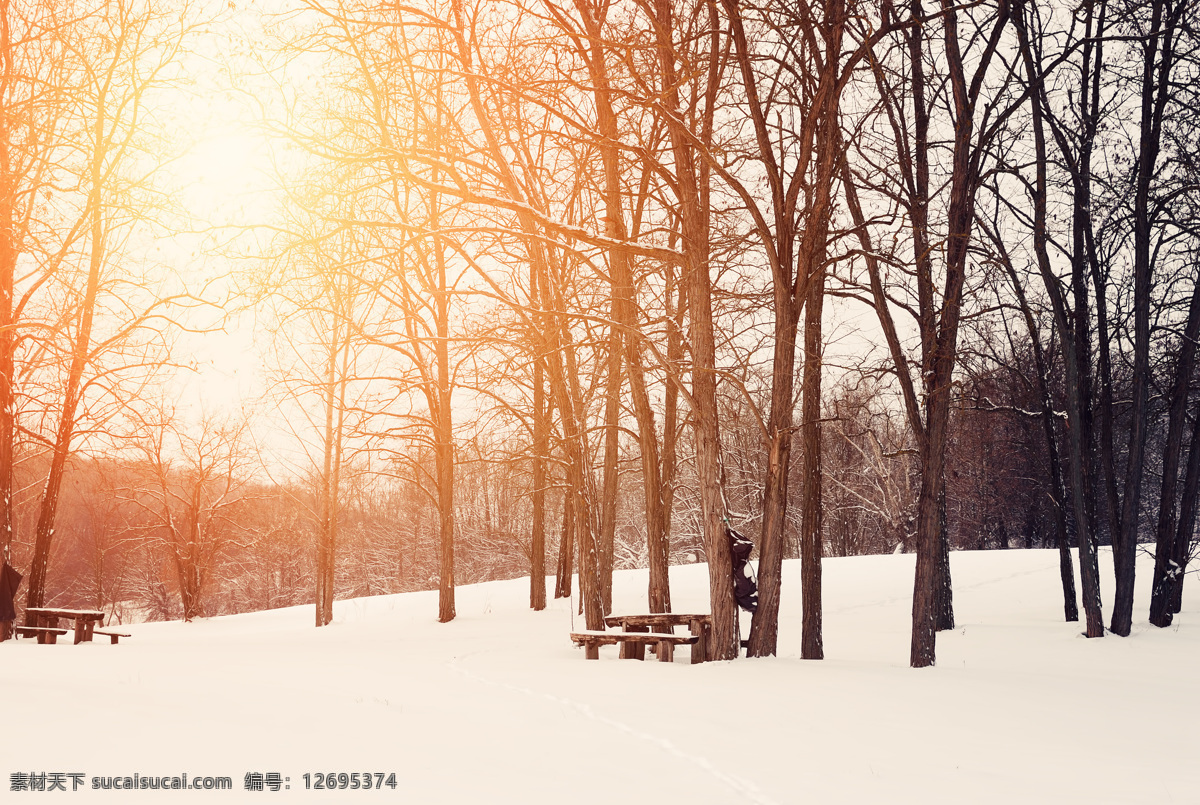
column 43, row 623
column 657, row 629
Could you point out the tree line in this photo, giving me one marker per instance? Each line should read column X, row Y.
column 616, row 261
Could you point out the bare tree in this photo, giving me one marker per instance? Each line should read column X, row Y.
column 691, row 129
column 869, row 456
column 194, row 484
column 1160, row 37
column 394, row 214
column 319, row 308
column 976, row 108
column 1041, row 369
column 108, row 97
column 797, row 232
column 32, row 56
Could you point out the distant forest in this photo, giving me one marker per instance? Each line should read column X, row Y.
column 552, row 289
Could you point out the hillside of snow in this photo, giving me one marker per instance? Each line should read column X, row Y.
column 499, row 707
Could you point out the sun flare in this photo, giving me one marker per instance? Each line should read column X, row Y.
column 223, row 185
column 224, row 176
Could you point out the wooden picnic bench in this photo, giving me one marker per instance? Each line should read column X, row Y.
column 43, row 622
column 634, row 632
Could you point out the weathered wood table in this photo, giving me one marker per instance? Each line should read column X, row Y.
column 657, row 629
column 44, row 623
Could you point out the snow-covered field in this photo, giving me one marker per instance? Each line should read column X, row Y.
column 499, row 707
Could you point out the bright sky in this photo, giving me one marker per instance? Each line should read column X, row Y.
column 223, row 180
column 223, row 176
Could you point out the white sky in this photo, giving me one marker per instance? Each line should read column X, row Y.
column 222, row 179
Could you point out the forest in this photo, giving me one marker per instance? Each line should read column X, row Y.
column 553, row 288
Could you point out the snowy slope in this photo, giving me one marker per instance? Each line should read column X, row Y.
column 499, row 707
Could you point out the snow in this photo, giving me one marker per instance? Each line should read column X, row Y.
column 498, row 706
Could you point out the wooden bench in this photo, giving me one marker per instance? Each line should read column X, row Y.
column 44, row 634
column 632, row 643
column 113, row 637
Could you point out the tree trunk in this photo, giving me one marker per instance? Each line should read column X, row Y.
column 8, row 263
column 1074, row 325
column 932, row 597
column 764, row 626
column 797, row 248
column 658, row 544
column 671, row 403
column 542, row 411
column 928, row 583
column 1156, row 91
column 10, row 248
column 812, row 257
column 443, row 424
column 1187, row 519
column 610, row 492
column 1057, row 489
column 541, row 447
column 566, row 548
column 444, row 456
column 189, row 574
column 328, row 493
column 811, row 533
column 565, row 384
column 1167, row 570
column 589, row 547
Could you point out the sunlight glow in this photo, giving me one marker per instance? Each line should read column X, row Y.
column 222, row 186
column 219, row 174
column 225, row 176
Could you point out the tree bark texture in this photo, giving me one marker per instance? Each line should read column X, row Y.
column 1075, row 327
column 541, row 448
column 932, row 597
column 566, row 548
column 1159, row 56
column 9, row 248
column 811, row 542
column 609, row 489
column 796, row 244
column 1167, row 570
column 1184, row 531
column 326, row 534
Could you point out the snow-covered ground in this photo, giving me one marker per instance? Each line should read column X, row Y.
column 499, row 707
